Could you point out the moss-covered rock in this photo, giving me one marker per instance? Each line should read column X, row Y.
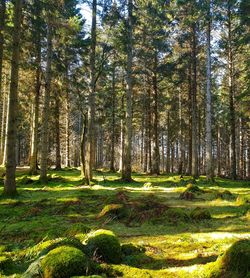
column 43, row 248
column 137, row 260
column 103, row 245
column 115, row 211
column 77, row 228
column 235, row 262
column 177, row 214
column 243, row 200
column 224, row 195
column 130, row 249
column 200, row 214
column 64, row 261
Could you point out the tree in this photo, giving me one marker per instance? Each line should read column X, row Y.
column 10, row 183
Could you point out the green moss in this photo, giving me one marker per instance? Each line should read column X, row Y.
column 224, row 195
column 193, row 188
column 46, row 247
column 137, row 260
column 64, row 262
column 235, row 262
column 200, row 214
column 177, row 214
column 4, row 262
column 148, row 185
column 115, row 211
column 77, row 228
column 243, row 200
column 130, row 249
column 103, row 245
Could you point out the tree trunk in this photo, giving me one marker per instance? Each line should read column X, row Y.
column 209, row 156
column 112, row 155
column 45, row 115
column 122, row 137
column 156, row 154
column 10, row 183
column 57, row 130
column 194, row 105
column 2, row 26
column 67, row 121
column 34, row 135
column 89, row 155
column 127, row 169
column 231, row 97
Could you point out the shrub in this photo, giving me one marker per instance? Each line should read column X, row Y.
column 103, row 245
column 64, row 262
column 200, row 214
column 77, row 228
column 224, row 195
column 235, row 262
column 194, row 188
column 186, row 195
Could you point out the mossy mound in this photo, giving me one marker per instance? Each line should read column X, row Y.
column 243, row 200
column 25, row 180
column 235, row 262
column 200, row 214
column 77, row 228
column 64, row 261
column 224, row 195
column 114, row 211
column 130, row 249
column 190, row 191
column 4, row 262
column 148, row 185
column 177, row 214
column 137, row 260
column 43, row 248
column 186, row 195
column 103, row 245
column 148, row 208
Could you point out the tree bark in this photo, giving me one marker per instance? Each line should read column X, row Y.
column 45, row 115
column 10, row 183
column 156, row 154
column 34, row 135
column 112, row 155
column 89, row 155
column 209, row 156
column 231, row 97
column 194, row 105
column 57, row 130
column 127, row 168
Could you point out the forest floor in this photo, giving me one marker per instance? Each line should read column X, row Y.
column 176, row 245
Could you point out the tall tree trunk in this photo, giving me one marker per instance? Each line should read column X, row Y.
column 127, row 168
column 168, row 144
column 194, row 105
column 112, row 155
column 10, row 183
column 34, row 135
column 209, row 156
column 121, row 163
column 67, row 121
column 83, row 144
column 89, row 156
column 57, row 130
column 231, row 96
column 2, row 26
column 218, row 151
column 156, row 154
column 45, row 115
column 4, row 121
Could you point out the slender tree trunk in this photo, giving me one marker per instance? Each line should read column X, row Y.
column 181, row 148
column 127, row 169
column 34, row 135
column 89, row 156
column 194, row 105
column 67, row 121
column 122, row 137
column 112, row 155
column 10, row 183
column 156, row 154
column 231, row 96
column 209, row 156
column 4, row 121
column 83, row 144
column 57, row 130
column 168, row 144
column 45, row 115
column 2, row 26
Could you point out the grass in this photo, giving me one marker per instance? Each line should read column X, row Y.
column 174, row 248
